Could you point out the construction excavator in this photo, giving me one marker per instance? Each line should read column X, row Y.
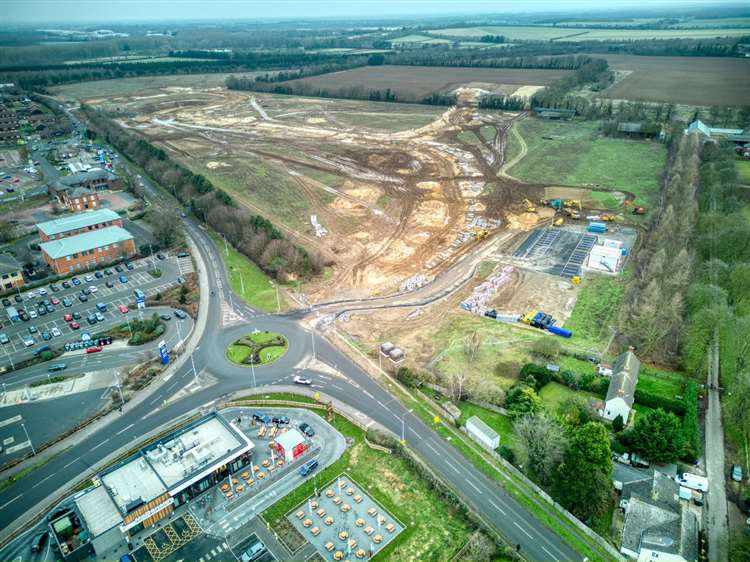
column 606, row 217
column 529, row 206
column 482, row 234
column 558, row 222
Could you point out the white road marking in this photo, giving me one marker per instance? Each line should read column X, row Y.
column 550, row 554
column 433, row 449
column 453, row 467
column 100, row 444
column 6, row 504
column 42, row 480
column 124, row 429
column 524, row 531
column 470, row 483
column 71, row 462
column 500, row 509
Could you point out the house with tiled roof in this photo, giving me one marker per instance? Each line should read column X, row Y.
column 621, row 391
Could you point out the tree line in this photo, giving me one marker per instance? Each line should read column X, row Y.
column 253, row 235
column 652, row 315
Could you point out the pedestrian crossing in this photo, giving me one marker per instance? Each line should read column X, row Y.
column 229, row 317
column 185, row 265
column 214, row 552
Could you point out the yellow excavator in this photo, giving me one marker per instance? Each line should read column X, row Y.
column 529, row 206
column 572, row 203
column 482, row 234
column 606, row 217
column 558, row 222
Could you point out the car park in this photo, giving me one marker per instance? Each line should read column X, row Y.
column 76, row 281
column 306, row 429
column 123, row 309
column 56, row 332
column 74, row 325
column 180, row 314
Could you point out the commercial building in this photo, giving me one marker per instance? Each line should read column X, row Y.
column 88, row 250
column 79, row 223
column 79, row 199
column 607, row 256
column 145, row 488
column 291, row 444
column 621, row 391
column 11, row 274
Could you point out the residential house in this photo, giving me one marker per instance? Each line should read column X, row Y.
column 10, row 273
column 658, row 525
column 702, row 129
column 621, row 391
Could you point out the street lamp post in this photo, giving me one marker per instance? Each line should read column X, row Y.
column 28, row 439
column 312, row 336
column 119, row 390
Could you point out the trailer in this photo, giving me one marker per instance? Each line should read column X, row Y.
column 562, row 332
column 597, row 227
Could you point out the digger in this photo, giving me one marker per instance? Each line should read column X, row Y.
column 529, row 206
column 482, row 234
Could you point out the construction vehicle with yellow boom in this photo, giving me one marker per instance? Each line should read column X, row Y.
column 529, row 206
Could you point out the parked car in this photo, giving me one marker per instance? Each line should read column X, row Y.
column 94, row 349
column 123, row 309
column 736, row 473
column 85, row 291
column 306, row 429
column 39, row 541
column 308, row 467
column 82, row 297
column 74, row 325
column 68, row 317
column 4, row 339
column 6, row 302
column 18, row 298
column 107, row 271
column 66, row 285
column 91, row 319
column 89, row 278
column 160, row 256
column 55, row 301
column 99, row 317
column 118, row 269
column 49, row 308
column 33, row 330
column 256, row 551
column 42, row 291
column 129, row 266
column 32, row 314
column 280, row 420
column 54, row 288
column 93, row 289
column 98, row 274
column 46, row 336
column 28, row 341
column 180, row 279
column 67, row 302
column 56, row 332
column 302, row 380
column 76, row 281
column 76, row 315
column 123, row 279
column 109, row 284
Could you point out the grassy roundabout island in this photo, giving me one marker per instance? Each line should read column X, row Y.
column 260, row 348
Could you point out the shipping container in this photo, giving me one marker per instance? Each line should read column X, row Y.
column 597, row 227
column 559, row 331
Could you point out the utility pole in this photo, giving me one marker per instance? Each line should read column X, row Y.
column 312, row 335
column 28, row 439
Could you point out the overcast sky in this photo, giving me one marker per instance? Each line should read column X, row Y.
column 120, row 11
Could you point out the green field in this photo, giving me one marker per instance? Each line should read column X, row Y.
column 237, row 353
column 247, row 279
column 743, row 171
column 435, row 530
column 553, row 394
column 497, row 421
column 574, row 153
column 596, row 309
column 660, row 381
column 417, row 38
column 540, row 33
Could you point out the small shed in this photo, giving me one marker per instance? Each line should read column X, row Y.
column 396, row 355
column 482, row 433
column 386, row 348
column 291, row 444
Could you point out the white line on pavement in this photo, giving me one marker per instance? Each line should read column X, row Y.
column 124, row 429
column 100, row 444
column 470, row 483
column 453, row 467
column 433, row 449
column 550, row 554
column 500, row 509
column 42, row 480
column 10, row 502
column 71, row 462
column 524, row 531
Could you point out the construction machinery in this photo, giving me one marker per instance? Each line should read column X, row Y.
column 556, row 204
column 482, row 234
column 606, row 217
column 639, row 210
column 529, row 206
column 572, row 203
column 572, row 213
column 558, row 222
column 576, row 280
column 538, row 319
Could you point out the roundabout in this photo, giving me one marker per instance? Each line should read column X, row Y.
column 257, row 348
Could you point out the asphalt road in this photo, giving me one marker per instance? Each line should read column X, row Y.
column 716, row 504
column 356, row 388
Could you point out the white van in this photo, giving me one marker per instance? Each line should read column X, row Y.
column 693, row 481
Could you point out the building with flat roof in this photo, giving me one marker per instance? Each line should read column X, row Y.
column 145, row 488
column 88, row 250
column 71, row 225
column 10, row 273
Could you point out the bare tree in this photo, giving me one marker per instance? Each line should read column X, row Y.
column 540, row 445
column 456, row 383
column 480, row 548
column 472, row 343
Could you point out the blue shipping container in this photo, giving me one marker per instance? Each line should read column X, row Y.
column 559, row 331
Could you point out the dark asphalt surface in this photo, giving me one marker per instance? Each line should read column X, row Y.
column 358, row 390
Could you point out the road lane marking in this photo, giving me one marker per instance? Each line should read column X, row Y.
column 470, row 483
column 6, row 504
column 155, row 400
column 43, row 480
column 433, row 449
column 500, row 509
column 550, row 554
column 450, row 464
column 100, row 444
column 71, row 462
column 524, row 531
column 124, row 429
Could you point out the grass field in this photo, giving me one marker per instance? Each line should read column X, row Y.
column 497, row 421
column 687, row 80
column 129, row 86
column 660, row 381
column 743, row 171
column 540, row 33
column 576, row 154
column 595, row 309
column 238, row 353
column 553, row 394
column 247, row 279
column 435, row 530
column 416, row 82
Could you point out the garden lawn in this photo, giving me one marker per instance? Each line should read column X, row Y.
column 658, row 381
column 743, row 171
column 575, row 153
column 497, row 421
column 247, row 279
column 553, row 394
column 435, row 530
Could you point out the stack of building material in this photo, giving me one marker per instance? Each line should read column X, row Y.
column 482, row 294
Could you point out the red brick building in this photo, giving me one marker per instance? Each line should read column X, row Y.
column 79, row 223
column 89, row 250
